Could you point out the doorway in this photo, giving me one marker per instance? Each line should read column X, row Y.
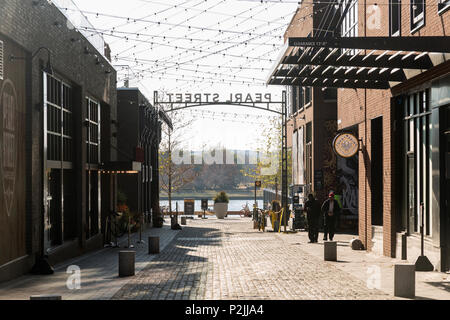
column 445, row 203
column 53, row 217
column 377, row 170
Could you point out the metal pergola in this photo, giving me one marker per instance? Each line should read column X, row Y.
column 357, row 62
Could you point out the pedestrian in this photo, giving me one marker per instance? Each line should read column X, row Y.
column 312, row 208
column 330, row 210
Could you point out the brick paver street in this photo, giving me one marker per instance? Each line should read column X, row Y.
column 227, row 259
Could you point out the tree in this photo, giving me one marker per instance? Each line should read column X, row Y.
column 270, row 144
column 174, row 176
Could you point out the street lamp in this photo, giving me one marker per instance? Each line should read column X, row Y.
column 48, row 68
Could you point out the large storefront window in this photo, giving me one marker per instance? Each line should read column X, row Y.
column 418, row 161
column 308, row 158
column 350, row 22
column 92, row 172
column 60, row 221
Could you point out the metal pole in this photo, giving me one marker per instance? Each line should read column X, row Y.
column 421, row 229
column 255, row 195
column 276, row 188
column 129, row 233
column 284, row 181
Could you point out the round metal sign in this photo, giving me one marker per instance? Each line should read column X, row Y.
column 346, row 145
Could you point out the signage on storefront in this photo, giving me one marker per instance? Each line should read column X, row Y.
column 204, row 204
column 346, row 145
column 189, row 205
column 11, row 139
column 318, row 179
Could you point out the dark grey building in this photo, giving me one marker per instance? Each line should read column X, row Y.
column 58, row 105
column 139, row 136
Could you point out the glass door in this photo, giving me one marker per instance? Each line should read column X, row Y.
column 411, row 193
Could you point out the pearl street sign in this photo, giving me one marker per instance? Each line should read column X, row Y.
column 216, row 98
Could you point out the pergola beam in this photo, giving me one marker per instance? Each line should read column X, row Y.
column 336, row 83
column 439, row 44
column 387, row 61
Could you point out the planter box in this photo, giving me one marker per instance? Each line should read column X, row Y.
column 220, row 210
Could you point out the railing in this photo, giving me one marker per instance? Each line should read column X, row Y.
column 80, row 22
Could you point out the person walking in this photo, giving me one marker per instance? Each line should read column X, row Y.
column 312, row 208
column 330, row 210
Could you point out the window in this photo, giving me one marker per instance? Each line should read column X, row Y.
column 93, row 134
column 308, row 156
column 443, row 5
column 308, row 95
column 350, row 21
column 395, row 13
column 418, row 160
column 59, row 123
column 294, row 99
column 1, row 60
column 417, row 14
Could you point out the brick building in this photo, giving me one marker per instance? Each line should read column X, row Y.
column 312, row 119
column 58, row 105
column 312, row 124
column 393, row 96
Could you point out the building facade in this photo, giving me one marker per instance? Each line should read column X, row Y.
column 58, row 105
column 312, row 123
column 389, row 62
column 402, row 129
column 139, row 136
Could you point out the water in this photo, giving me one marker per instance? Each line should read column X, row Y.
column 233, row 205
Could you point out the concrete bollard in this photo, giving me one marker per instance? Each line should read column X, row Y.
column 46, row 297
column 330, row 250
column 405, row 280
column 183, row 221
column 126, row 263
column 153, row 245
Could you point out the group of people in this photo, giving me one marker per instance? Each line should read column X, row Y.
column 330, row 209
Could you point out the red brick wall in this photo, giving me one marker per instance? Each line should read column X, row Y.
column 358, row 107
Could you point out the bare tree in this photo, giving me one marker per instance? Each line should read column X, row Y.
column 174, row 176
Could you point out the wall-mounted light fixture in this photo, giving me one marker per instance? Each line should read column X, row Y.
column 48, row 68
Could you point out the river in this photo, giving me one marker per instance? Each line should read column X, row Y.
column 233, row 205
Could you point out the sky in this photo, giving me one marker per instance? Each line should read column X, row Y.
column 196, row 46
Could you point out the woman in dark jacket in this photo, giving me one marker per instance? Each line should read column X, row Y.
column 312, row 207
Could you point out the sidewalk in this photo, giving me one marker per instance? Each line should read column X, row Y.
column 99, row 272
column 362, row 265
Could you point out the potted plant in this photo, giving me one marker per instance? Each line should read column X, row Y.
column 221, row 205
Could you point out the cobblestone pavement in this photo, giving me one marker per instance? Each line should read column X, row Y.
column 226, row 259
column 99, row 272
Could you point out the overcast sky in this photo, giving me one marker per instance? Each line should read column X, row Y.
column 197, row 46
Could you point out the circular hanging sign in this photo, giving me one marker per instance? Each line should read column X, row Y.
column 346, row 145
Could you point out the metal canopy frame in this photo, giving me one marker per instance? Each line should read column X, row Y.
column 355, row 62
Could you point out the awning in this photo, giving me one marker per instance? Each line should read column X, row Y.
column 121, row 167
column 357, row 62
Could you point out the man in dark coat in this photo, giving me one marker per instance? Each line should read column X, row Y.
column 330, row 210
column 312, row 208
